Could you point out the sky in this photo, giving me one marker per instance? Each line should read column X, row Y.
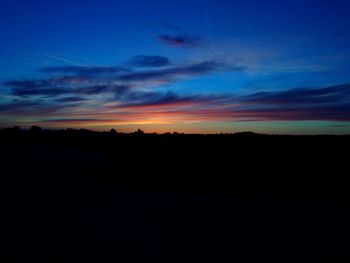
column 194, row 66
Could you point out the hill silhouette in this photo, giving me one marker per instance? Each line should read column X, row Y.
column 73, row 195
column 180, row 162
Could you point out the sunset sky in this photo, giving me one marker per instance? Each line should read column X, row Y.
column 194, row 66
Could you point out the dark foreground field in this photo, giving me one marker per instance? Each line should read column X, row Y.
column 103, row 197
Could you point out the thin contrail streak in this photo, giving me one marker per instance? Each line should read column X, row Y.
column 66, row 60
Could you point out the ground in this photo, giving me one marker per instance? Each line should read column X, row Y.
column 106, row 197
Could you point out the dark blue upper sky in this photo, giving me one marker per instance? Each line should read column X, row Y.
column 195, row 65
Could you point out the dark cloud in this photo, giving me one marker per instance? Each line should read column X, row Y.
column 170, row 98
column 42, row 96
column 156, row 98
column 149, row 61
column 40, row 91
column 49, row 88
column 27, row 84
column 328, row 103
column 67, row 87
column 29, row 107
column 323, row 104
column 70, row 99
column 77, row 80
column 88, row 81
column 337, row 112
column 16, row 104
column 93, row 90
column 302, row 96
column 173, row 72
column 84, row 71
column 181, row 40
column 65, row 120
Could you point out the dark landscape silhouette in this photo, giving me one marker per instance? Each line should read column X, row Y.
column 73, row 195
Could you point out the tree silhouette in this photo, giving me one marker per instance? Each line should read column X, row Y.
column 35, row 129
column 15, row 130
column 139, row 132
column 113, row 132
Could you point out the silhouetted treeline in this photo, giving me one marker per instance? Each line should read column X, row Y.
column 245, row 163
column 78, row 195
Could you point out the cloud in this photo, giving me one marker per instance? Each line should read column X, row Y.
column 149, row 61
column 81, row 90
column 70, row 99
column 27, row 84
column 40, row 91
column 28, row 107
column 93, row 90
column 299, row 96
column 84, row 70
column 299, row 104
column 57, row 87
column 67, row 120
column 90, row 80
column 328, row 104
column 339, row 112
column 84, row 91
column 94, row 94
column 141, row 99
column 173, row 73
column 181, row 40
column 16, row 104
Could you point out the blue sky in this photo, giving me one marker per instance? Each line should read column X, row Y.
column 192, row 66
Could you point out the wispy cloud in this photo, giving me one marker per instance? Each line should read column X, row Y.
column 80, row 90
column 84, row 70
column 303, row 104
column 155, row 99
column 174, row 73
column 26, row 107
column 70, row 99
column 184, row 40
column 118, row 95
column 149, row 61
column 58, row 86
column 64, row 59
column 118, row 80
